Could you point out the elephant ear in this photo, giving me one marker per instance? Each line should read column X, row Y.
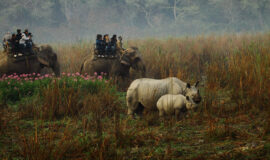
column 46, row 55
column 43, row 61
column 125, row 60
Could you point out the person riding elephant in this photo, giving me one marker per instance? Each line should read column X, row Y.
column 112, row 45
column 24, row 41
column 13, row 44
column 18, row 38
column 99, row 45
column 44, row 57
column 6, row 41
column 131, row 58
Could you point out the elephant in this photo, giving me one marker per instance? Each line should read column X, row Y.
column 131, row 58
column 145, row 92
column 44, row 57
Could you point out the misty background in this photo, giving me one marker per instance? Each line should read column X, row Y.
column 76, row 20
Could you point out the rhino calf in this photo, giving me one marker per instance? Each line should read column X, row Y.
column 174, row 104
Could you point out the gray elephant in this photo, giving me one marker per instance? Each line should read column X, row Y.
column 131, row 58
column 44, row 57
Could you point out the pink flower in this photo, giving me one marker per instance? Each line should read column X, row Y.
column 95, row 73
column 41, row 77
column 26, row 79
column 77, row 73
column 34, row 74
column 46, row 75
column 75, row 80
column 99, row 77
column 68, row 74
column 73, row 75
column 38, row 74
column 8, row 83
column 36, row 79
column 63, row 73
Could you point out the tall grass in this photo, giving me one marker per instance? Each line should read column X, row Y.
column 75, row 117
column 236, row 64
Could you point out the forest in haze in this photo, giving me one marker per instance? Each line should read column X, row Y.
column 72, row 20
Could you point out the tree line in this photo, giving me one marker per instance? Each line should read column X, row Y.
column 79, row 19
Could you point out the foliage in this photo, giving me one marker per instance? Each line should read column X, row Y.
column 15, row 87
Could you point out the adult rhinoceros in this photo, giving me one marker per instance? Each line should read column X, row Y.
column 145, row 92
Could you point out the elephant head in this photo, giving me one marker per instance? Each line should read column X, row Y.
column 132, row 58
column 47, row 57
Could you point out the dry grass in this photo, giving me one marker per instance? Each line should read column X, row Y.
column 232, row 122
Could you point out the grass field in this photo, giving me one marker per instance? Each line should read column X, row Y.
column 84, row 117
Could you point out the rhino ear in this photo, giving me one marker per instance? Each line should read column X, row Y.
column 188, row 85
column 197, row 83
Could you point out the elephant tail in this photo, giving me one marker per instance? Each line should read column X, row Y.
column 81, row 68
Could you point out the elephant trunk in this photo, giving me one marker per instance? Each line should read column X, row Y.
column 56, row 69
